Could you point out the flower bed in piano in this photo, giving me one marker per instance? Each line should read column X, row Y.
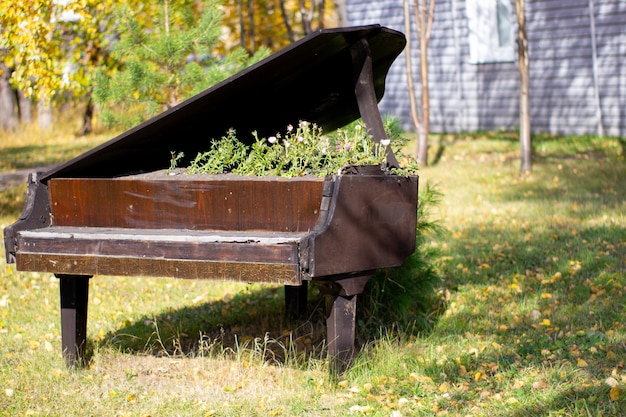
column 299, row 151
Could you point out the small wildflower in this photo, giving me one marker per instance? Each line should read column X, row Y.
column 300, row 138
column 271, row 139
column 289, row 128
column 347, row 146
column 286, row 143
column 357, row 128
column 385, row 142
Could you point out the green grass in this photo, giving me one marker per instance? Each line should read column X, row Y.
column 531, row 320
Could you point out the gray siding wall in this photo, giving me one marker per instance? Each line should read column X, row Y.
column 471, row 97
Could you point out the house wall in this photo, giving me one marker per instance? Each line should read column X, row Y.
column 471, row 97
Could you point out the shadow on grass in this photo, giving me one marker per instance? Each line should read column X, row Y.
column 543, row 305
column 546, row 294
column 253, row 320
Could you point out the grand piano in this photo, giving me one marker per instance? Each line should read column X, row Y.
column 112, row 211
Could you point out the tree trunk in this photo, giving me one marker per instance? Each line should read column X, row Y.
column 306, row 18
column 409, row 77
column 242, row 26
column 423, row 21
column 422, row 158
column 524, row 102
column 25, row 108
column 283, row 13
column 87, row 118
column 252, row 28
column 44, row 114
column 8, row 105
column 321, row 11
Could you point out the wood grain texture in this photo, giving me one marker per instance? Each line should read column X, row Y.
column 174, row 268
column 231, row 203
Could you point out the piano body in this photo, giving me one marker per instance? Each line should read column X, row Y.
column 113, row 211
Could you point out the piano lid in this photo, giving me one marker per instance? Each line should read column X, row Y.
column 311, row 79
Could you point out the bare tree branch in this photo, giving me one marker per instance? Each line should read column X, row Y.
column 283, row 12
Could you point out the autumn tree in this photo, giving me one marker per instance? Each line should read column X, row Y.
column 164, row 59
column 52, row 48
column 50, row 51
column 424, row 15
column 8, row 104
column 275, row 23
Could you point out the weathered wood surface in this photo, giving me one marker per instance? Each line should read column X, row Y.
column 237, row 256
column 343, row 225
column 370, row 224
column 226, row 202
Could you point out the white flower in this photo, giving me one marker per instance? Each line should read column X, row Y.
column 289, row 128
column 271, row 139
column 385, row 142
column 300, row 138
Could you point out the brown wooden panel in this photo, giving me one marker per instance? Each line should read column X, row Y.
column 370, row 225
column 211, row 203
column 166, row 244
column 194, row 269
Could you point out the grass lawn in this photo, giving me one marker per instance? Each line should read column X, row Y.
column 531, row 320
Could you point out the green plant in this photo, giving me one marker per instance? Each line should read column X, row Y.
column 406, row 297
column 300, row 150
column 165, row 54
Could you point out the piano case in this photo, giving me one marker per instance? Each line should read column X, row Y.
column 114, row 211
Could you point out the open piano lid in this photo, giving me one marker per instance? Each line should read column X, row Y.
column 311, row 79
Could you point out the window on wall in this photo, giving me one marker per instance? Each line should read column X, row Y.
column 490, row 31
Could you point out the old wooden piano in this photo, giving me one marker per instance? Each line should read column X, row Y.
column 110, row 212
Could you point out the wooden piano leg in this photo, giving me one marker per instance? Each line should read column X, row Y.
column 340, row 329
column 341, row 319
column 74, row 296
column 295, row 300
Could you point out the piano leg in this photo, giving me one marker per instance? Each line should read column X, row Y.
column 295, row 300
column 340, row 329
column 74, row 296
column 341, row 319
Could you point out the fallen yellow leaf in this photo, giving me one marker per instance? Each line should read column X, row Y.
column 444, row 387
column 614, row 393
column 581, row 363
column 361, row 409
